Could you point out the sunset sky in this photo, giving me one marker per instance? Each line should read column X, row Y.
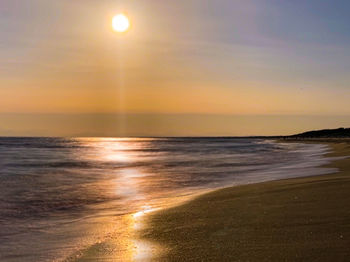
column 194, row 67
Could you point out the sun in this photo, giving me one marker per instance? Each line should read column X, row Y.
column 120, row 23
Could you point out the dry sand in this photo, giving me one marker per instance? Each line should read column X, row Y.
column 303, row 219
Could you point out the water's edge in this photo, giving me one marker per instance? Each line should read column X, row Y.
column 146, row 251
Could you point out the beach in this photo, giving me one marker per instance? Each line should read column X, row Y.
column 299, row 219
column 130, row 199
column 139, row 131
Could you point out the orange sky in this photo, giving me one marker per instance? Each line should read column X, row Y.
column 182, row 57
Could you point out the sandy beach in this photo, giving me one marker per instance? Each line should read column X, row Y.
column 302, row 219
column 138, row 131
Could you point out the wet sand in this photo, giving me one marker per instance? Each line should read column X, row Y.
column 302, row 219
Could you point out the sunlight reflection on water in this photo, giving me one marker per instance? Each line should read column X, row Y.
column 144, row 250
column 62, row 195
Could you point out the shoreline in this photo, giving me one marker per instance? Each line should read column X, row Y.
column 141, row 248
column 210, row 215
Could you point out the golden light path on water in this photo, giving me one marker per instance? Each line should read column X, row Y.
column 123, row 244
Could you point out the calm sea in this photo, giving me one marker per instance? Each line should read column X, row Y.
column 59, row 195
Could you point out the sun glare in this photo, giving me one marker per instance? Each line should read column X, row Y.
column 120, row 23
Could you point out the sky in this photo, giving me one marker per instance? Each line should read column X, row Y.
column 194, row 67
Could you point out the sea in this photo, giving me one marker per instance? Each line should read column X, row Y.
column 59, row 196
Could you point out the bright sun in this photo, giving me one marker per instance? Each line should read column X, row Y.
column 120, row 23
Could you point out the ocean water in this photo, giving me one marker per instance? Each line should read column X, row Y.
column 59, row 196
